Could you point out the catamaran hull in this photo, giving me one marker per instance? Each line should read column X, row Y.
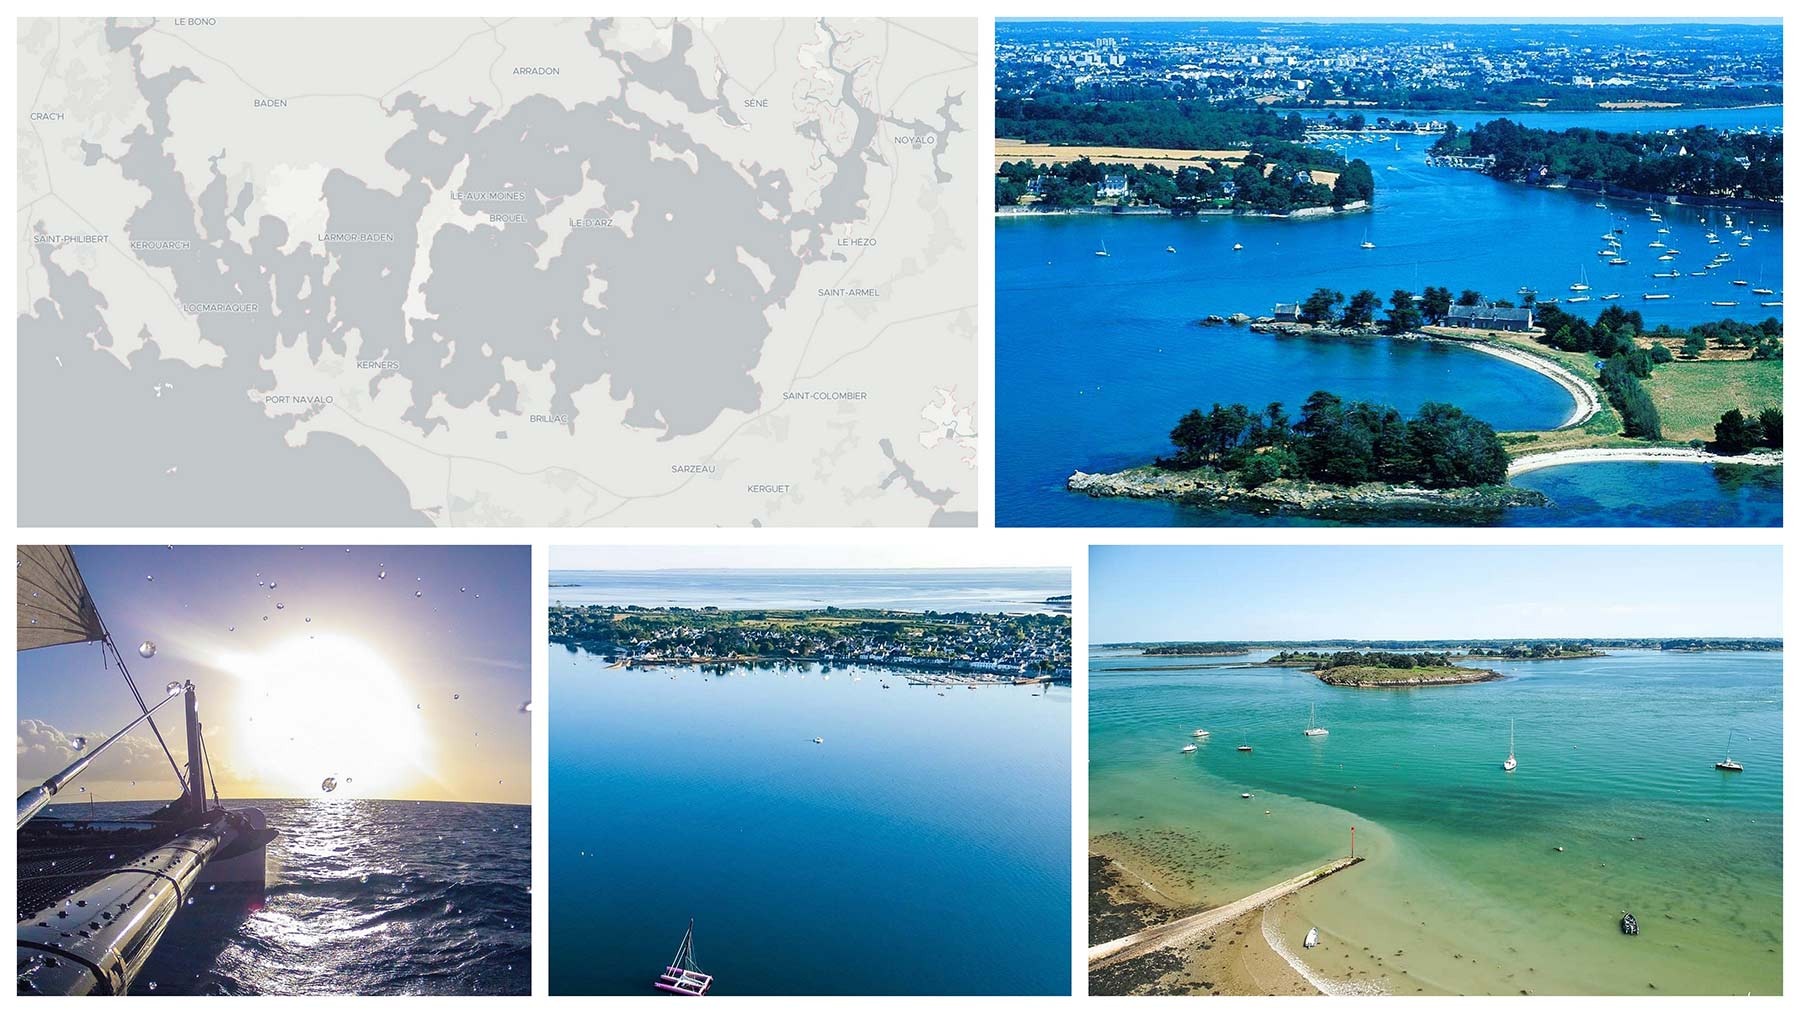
column 96, row 940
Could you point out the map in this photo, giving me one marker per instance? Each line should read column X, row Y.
column 522, row 272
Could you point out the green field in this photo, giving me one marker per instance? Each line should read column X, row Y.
column 1690, row 396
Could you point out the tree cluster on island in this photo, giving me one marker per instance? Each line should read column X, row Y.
column 1056, row 118
column 1266, row 182
column 1532, row 652
column 1341, row 443
column 1689, row 162
column 1386, row 659
column 1196, row 650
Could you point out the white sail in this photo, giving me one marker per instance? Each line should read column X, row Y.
column 54, row 604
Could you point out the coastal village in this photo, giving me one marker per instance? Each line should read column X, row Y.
column 1345, row 65
column 975, row 647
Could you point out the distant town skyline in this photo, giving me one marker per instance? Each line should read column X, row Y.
column 1298, row 593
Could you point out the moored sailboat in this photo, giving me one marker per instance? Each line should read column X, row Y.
column 1312, row 723
column 1728, row 763
column 1512, row 758
column 682, row 976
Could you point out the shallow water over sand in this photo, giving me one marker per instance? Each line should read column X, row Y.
column 1463, row 890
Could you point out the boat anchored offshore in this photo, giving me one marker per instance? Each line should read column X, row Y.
column 1201, row 733
column 1512, row 758
column 1728, row 763
column 96, row 896
column 1628, row 924
column 1102, row 252
column 1190, row 747
column 1312, row 723
column 683, row 976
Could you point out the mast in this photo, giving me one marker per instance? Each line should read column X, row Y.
column 193, row 800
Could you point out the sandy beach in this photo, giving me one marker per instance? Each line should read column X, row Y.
column 1677, row 455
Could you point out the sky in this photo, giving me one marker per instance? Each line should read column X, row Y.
column 409, row 686
column 954, row 553
column 1298, row 593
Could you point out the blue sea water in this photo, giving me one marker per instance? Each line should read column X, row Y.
column 1098, row 356
column 922, row 849
column 365, row 897
column 971, row 590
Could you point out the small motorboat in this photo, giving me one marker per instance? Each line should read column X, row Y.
column 818, row 741
column 1201, row 733
column 1246, row 795
column 1237, row 246
column 1169, row 249
column 1244, row 748
column 1312, row 938
column 1628, row 924
column 1190, row 747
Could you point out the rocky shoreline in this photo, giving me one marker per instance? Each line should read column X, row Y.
column 1206, row 487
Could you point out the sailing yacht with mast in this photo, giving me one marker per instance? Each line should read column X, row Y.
column 683, row 976
column 1728, row 763
column 1312, row 723
column 1102, row 251
column 96, row 895
column 1512, row 759
column 1582, row 285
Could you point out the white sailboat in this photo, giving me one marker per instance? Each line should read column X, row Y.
column 1312, row 723
column 1582, row 285
column 1366, row 243
column 1728, row 763
column 1101, row 252
column 1512, row 759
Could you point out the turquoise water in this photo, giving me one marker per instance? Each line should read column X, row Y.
column 1098, row 356
column 922, row 849
column 1463, row 891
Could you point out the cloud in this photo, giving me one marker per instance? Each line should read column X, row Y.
column 43, row 749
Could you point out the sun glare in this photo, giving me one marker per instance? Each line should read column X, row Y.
column 326, row 707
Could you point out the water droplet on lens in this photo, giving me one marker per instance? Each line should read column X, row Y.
column 525, row 708
column 265, row 619
column 153, row 986
column 271, row 585
column 418, row 594
column 148, row 577
column 147, row 649
column 279, row 606
column 456, row 696
column 309, row 619
column 79, row 742
column 328, row 785
column 381, row 576
column 465, row 590
column 172, row 688
column 231, row 629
